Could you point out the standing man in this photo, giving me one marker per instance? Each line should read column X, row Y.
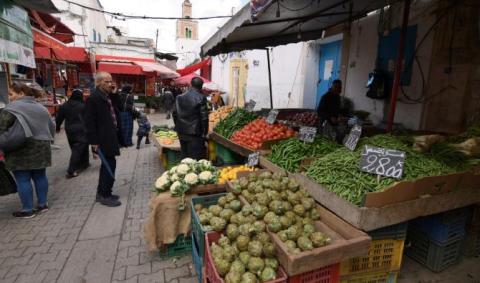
column 329, row 110
column 168, row 101
column 102, row 127
column 190, row 116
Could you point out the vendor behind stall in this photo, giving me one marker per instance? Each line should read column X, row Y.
column 329, row 111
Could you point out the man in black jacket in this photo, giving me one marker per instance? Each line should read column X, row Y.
column 102, row 128
column 329, row 110
column 190, row 116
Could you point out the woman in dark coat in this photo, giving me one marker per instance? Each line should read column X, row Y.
column 72, row 113
column 126, row 115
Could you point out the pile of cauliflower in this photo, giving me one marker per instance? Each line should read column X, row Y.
column 179, row 179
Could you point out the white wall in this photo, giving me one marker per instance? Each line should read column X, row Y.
column 187, row 51
column 123, row 50
column 288, row 69
column 83, row 21
column 362, row 55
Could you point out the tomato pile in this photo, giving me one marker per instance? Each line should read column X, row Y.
column 254, row 134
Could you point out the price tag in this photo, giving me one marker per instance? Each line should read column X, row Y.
column 307, row 134
column 250, row 105
column 351, row 140
column 272, row 116
column 253, row 159
column 382, row 161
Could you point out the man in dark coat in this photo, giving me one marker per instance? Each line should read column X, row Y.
column 329, row 110
column 190, row 116
column 168, row 101
column 102, row 131
column 126, row 114
column 72, row 113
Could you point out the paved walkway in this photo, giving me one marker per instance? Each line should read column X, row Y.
column 78, row 240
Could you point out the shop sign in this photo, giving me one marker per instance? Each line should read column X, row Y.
column 14, row 53
column 382, row 161
column 15, row 16
column 351, row 140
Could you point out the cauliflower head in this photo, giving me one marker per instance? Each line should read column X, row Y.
column 178, row 188
column 187, row 161
column 174, row 177
column 162, row 182
column 205, row 177
column 191, row 179
column 172, row 170
column 182, row 169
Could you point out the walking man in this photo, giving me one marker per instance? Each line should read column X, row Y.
column 190, row 116
column 102, row 127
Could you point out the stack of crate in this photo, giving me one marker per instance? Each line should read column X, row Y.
column 471, row 244
column 436, row 240
column 384, row 259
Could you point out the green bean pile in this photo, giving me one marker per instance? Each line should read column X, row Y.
column 288, row 154
column 236, row 120
column 339, row 171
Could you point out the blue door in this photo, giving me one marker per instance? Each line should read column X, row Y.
column 329, row 68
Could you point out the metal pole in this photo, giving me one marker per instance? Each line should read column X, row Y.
column 269, row 78
column 156, row 40
column 398, row 66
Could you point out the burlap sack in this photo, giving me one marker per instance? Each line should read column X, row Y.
column 165, row 221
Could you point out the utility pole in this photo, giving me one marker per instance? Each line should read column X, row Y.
column 156, row 41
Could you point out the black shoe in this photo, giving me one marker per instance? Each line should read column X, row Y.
column 147, row 142
column 115, row 197
column 138, row 147
column 110, row 202
column 41, row 209
column 112, row 196
column 24, row 214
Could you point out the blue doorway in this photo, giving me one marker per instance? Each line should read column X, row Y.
column 329, row 67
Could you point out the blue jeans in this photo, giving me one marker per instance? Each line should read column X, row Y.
column 25, row 190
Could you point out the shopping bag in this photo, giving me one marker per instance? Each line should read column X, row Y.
column 7, row 182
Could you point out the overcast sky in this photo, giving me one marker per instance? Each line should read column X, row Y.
column 168, row 8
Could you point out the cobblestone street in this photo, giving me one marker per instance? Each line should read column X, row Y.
column 79, row 240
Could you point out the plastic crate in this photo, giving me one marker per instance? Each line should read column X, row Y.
column 471, row 243
column 211, row 272
column 197, row 260
column 444, row 227
column 329, row 274
column 395, row 232
column 197, row 229
column 383, row 256
column 181, row 247
column 170, row 158
column 225, row 156
column 212, row 155
column 382, row 277
column 435, row 256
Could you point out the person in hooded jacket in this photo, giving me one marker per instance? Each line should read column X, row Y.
column 72, row 113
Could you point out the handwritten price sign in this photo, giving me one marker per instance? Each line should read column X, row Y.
column 307, row 134
column 272, row 116
column 382, row 161
column 250, row 105
column 253, row 159
column 351, row 140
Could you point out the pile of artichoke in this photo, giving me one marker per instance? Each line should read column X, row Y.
column 285, row 208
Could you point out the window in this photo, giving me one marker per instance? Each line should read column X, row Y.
column 188, row 33
column 94, row 35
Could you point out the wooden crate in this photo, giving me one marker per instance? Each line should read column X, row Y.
column 371, row 218
column 267, row 164
column 346, row 242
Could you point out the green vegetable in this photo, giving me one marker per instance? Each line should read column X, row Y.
column 235, row 121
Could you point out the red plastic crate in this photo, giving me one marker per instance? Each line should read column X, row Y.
column 328, row 274
column 211, row 272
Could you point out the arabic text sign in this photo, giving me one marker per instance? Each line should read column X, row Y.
column 351, row 140
column 382, row 161
column 307, row 134
column 253, row 159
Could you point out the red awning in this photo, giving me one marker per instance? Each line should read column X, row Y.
column 194, row 67
column 185, row 80
column 47, row 47
column 52, row 26
column 146, row 66
column 120, row 68
column 161, row 71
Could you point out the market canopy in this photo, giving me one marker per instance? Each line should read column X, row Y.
column 122, row 68
column 194, row 67
column 161, row 71
column 134, row 66
column 69, row 53
column 185, row 80
column 51, row 26
column 285, row 22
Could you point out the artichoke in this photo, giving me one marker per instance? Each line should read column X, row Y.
column 230, row 196
column 294, row 199
column 235, row 205
column 277, row 207
column 282, row 235
column 223, row 241
column 198, row 207
column 249, row 277
column 255, row 265
column 233, row 277
column 263, row 238
column 293, row 185
column 203, row 218
column 319, row 239
column 314, row 215
column 243, row 182
column 218, row 224
column 308, row 203
column 248, row 196
column 222, row 201
column 252, row 178
column 247, row 210
column 286, row 221
column 226, row 214
column 275, row 225
column 265, row 175
column 242, row 243
column 271, row 262
column 299, row 209
column 255, row 248
column 259, row 211
column 267, row 184
column 232, row 231
column 262, row 199
column 269, row 250
column 269, row 216
column 304, row 243
column 222, row 266
column 217, row 251
column 290, row 245
column 236, row 188
column 215, row 210
column 268, row 274
column 238, row 266
column 308, row 229
column 244, row 257
column 245, row 229
column 293, row 233
column 287, row 206
column 230, row 253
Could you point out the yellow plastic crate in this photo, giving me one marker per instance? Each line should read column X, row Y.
column 383, row 256
column 211, row 150
column 378, row 277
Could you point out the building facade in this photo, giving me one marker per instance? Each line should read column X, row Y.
column 186, row 39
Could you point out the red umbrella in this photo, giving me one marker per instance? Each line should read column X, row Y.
column 185, row 80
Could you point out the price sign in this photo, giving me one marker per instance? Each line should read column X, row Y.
column 307, row 134
column 253, row 159
column 382, row 161
column 351, row 140
column 272, row 116
column 250, row 105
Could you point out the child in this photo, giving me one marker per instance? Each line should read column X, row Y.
column 143, row 129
